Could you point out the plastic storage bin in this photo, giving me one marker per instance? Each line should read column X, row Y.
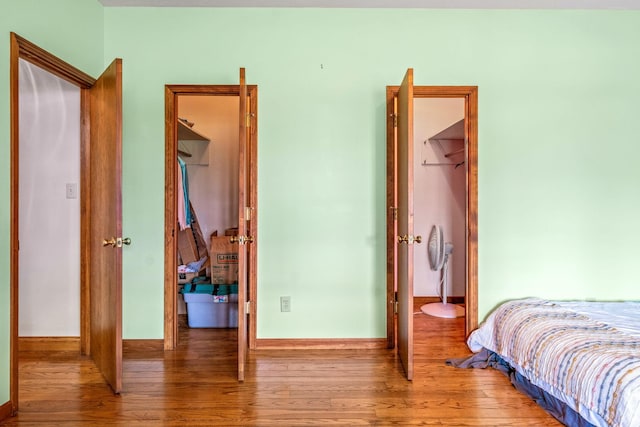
column 211, row 306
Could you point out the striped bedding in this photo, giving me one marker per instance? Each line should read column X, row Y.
column 587, row 354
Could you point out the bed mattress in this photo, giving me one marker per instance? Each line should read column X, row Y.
column 586, row 354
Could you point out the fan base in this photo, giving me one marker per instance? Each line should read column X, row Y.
column 438, row 309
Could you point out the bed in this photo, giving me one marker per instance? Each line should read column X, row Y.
column 579, row 360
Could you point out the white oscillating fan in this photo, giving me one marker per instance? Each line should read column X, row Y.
column 439, row 252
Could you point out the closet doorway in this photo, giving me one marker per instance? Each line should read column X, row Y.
column 235, row 209
column 402, row 234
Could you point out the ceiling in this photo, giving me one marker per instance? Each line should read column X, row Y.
column 421, row 4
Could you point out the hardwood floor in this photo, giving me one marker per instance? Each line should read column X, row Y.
column 196, row 385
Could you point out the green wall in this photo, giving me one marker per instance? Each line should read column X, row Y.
column 558, row 96
column 72, row 30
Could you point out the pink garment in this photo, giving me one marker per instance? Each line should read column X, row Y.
column 182, row 216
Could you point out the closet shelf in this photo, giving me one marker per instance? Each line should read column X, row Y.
column 185, row 133
column 193, row 147
column 455, row 132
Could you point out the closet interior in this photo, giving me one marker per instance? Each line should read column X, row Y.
column 207, row 199
column 440, row 197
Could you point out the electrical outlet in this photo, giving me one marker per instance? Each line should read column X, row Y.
column 285, row 304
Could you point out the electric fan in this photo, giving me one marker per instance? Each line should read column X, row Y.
column 439, row 252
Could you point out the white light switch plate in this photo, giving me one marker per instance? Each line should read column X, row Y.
column 72, row 190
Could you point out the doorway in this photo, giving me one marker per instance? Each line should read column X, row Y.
column 98, row 190
column 439, row 204
column 242, row 98
column 49, row 207
column 402, row 238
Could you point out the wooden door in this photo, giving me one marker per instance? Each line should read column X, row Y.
column 105, row 228
column 244, row 238
column 405, row 223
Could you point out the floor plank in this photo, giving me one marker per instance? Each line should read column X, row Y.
column 196, row 386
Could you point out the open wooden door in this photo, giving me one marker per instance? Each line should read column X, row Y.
column 105, row 224
column 470, row 95
column 101, row 209
column 405, row 222
column 244, row 237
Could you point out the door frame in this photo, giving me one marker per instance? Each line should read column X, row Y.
column 23, row 49
column 171, row 209
column 470, row 95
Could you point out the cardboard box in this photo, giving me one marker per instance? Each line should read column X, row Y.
column 224, row 261
column 182, row 308
column 187, row 248
column 186, row 277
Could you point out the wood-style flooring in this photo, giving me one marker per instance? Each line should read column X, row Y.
column 196, row 386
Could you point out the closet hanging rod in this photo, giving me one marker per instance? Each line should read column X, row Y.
column 425, row 163
column 184, row 153
column 453, row 153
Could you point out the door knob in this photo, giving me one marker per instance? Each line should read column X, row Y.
column 409, row 240
column 110, row 242
column 116, row 242
column 241, row 240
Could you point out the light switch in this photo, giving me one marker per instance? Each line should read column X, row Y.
column 72, row 190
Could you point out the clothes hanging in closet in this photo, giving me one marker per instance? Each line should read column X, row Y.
column 184, row 213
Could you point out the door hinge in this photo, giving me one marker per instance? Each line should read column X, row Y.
column 247, row 307
column 394, row 116
column 247, row 213
column 248, row 120
column 394, row 303
column 394, row 213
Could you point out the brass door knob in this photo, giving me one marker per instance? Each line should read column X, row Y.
column 109, row 242
column 241, row 240
column 116, row 242
column 409, row 239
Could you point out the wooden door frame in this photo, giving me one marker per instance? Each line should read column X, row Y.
column 23, row 49
column 470, row 95
column 171, row 209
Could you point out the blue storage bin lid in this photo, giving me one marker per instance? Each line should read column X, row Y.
column 208, row 288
